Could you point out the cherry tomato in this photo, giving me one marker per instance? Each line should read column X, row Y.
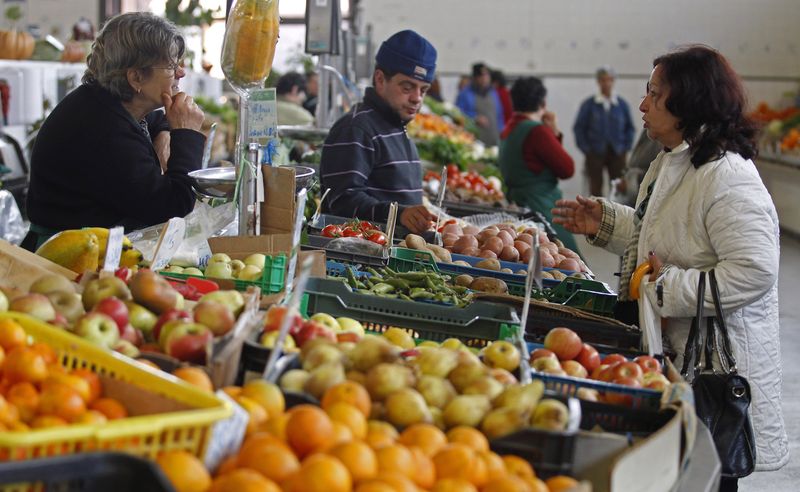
column 332, row 230
column 350, row 232
column 377, row 238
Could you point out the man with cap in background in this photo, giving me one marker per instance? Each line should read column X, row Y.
column 368, row 161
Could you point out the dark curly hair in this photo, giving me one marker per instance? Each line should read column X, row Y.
column 527, row 94
column 707, row 97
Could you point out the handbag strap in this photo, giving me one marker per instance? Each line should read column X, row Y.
column 691, row 353
column 726, row 353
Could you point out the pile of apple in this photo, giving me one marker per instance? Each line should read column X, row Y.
column 447, row 385
column 565, row 354
column 319, row 325
column 220, row 265
column 144, row 314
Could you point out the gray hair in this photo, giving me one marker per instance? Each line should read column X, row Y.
column 135, row 40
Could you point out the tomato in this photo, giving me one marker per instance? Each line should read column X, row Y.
column 332, row 231
column 452, row 170
column 366, row 226
column 377, row 238
column 350, row 232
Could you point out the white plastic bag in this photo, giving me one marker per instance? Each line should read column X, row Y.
column 649, row 322
column 12, row 227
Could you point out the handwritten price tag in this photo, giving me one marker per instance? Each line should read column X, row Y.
column 262, row 114
column 168, row 243
column 113, row 249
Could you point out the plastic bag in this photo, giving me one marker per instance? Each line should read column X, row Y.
column 355, row 245
column 12, row 227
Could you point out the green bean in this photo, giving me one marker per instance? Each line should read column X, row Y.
column 382, row 288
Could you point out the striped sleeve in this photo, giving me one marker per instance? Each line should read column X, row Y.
column 606, row 226
column 347, row 160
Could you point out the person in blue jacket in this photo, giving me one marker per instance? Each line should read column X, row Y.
column 480, row 101
column 604, row 132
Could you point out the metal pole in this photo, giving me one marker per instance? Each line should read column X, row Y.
column 324, row 94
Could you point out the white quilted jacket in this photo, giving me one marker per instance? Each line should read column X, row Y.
column 719, row 216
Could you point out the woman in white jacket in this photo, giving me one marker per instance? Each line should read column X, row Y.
column 702, row 205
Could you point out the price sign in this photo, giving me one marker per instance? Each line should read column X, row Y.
column 113, row 249
column 168, row 243
column 226, row 435
column 262, row 114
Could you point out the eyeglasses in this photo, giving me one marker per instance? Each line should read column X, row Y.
column 173, row 67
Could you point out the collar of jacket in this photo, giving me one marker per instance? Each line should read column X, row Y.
column 376, row 102
column 113, row 103
column 599, row 98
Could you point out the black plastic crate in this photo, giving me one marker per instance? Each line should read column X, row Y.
column 550, row 453
column 620, row 419
column 92, row 472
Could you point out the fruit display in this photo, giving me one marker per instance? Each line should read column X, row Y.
column 221, row 266
column 82, row 250
column 356, row 228
column 468, row 187
column 781, row 127
column 428, row 126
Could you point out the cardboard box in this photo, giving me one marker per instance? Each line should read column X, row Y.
column 278, row 208
column 19, row 268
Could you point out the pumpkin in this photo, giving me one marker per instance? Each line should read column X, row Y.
column 16, row 45
column 74, row 52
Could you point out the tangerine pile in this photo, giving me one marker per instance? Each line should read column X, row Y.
column 336, row 448
column 37, row 392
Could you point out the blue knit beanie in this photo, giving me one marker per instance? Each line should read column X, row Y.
column 408, row 53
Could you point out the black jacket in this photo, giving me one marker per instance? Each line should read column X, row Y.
column 368, row 161
column 93, row 165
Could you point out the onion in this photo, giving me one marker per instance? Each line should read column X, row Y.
column 471, row 229
column 449, row 239
column 506, row 238
column 521, row 246
column 547, row 259
column 471, row 252
column 486, row 234
column 509, row 253
column 568, row 253
column 453, row 229
column 465, row 242
column 487, row 254
column 525, row 238
column 526, row 256
column 494, row 244
column 569, row 264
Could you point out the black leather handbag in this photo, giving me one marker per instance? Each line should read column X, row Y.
column 722, row 397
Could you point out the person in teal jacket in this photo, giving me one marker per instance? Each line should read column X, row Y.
column 532, row 158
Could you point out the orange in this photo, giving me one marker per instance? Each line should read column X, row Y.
column 8, row 412
column 348, row 392
column 559, row 483
column 2, row 356
column 148, row 363
column 495, row 467
column 232, row 391
column 259, row 440
column 243, row 481
column 341, row 434
column 308, row 429
column 184, row 471
column 396, row 480
column 275, row 462
column 429, row 438
column 12, row 334
column 424, row 473
column 518, row 466
column 397, row 458
column 380, row 434
column 80, row 385
column 18, row 427
column 359, row 459
column 265, row 394
column 92, row 417
column 453, row 485
column 109, row 407
column 45, row 421
column 228, row 465
column 23, row 364
column 93, row 380
column 26, row 398
column 194, row 376
column 455, row 461
column 321, row 473
column 535, row 484
column 509, row 483
column 61, row 400
column 276, row 426
column 46, row 351
column 350, row 416
column 256, row 412
column 470, row 436
column 374, row 486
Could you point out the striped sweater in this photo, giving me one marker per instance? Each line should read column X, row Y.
column 368, row 161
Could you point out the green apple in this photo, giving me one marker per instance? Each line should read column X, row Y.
column 100, row 288
column 256, row 259
column 67, row 303
column 349, row 324
column 236, row 267
column 219, row 270
column 193, row 271
column 268, row 340
column 231, row 298
column 251, row 273
column 99, row 329
column 327, row 320
column 125, row 347
column 174, row 269
column 3, row 302
column 141, row 318
column 51, row 282
column 219, row 258
column 180, row 301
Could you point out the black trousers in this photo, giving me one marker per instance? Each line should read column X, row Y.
column 728, row 484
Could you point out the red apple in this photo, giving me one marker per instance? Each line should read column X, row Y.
column 151, row 347
column 310, row 330
column 167, row 316
column 275, row 316
column 627, row 370
column 546, row 364
column 565, row 343
column 613, row 359
column 598, row 371
column 588, row 357
column 607, row 374
column 542, row 352
column 574, row 369
column 648, row 363
column 620, row 398
column 114, row 309
column 36, row 305
column 132, row 335
column 189, row 342
column 347, row 336
column 216, row 316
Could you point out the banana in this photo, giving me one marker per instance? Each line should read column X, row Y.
column 73, row 249
column 636, row 280
column 127, row 245
column 130, row 257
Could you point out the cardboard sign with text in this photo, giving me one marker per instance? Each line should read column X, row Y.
column 278, row 208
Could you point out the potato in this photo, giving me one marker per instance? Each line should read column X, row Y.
column 489, row 285
column 507, row 270
column 402, row 244
column 488, row 254
column 506, row 238
column 509, row 253
column 415, row 242
column 463, row 280
column 577, row 275
column 464, row 243
column 547, row 275
column 494, row 244
column 557, row 275
column 441, row 253
column 521, row 272
column 489, row 264
column 462, row 263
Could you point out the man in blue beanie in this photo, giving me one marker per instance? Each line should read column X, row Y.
column 368, row 161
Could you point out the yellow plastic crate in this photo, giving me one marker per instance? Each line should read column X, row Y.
column 188, row 427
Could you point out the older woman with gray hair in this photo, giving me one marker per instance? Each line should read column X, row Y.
column 107, row 155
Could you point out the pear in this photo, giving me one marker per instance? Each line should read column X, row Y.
column 436, row 362
column 437, row 391
column 400, row 337
column 371, row 351
column 524, row 396
column 437, row 417
column 466, row 372
column 321, row 354
column 502, row 421
column 323, row 377
column 484, row 385
column 466, row 410
column 313, row 344
column 356, row 376
column 406, row 407
column 550, row 414
column 294, row 380
column 384, row 379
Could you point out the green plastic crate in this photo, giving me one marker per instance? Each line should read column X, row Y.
column 273, row 276
column 411, row 260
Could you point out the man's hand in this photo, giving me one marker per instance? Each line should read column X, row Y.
column 182, row 111
column 161, row 144
column 417, row 219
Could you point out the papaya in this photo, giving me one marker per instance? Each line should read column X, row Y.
column 76, row 250
column 127, row 259
column 249, row 45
